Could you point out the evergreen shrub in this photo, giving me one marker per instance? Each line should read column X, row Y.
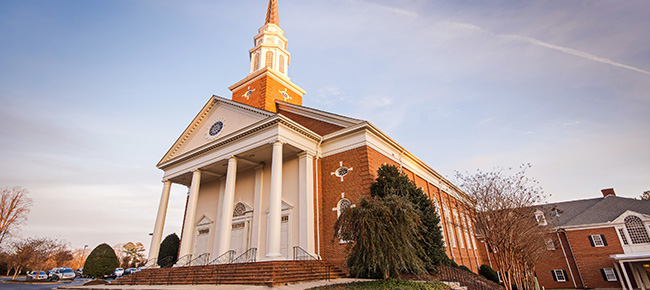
column 168, row 248
column 487, row 272
column 101, row 261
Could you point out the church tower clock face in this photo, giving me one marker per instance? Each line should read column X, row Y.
column 215, row 129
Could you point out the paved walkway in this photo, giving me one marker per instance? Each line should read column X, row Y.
column 305, row 285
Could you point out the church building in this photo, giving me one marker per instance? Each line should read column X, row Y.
column 268, row 177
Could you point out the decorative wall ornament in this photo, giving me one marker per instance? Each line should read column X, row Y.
column 285, row 95
column 341, row 171
column 215, row 129
column 248, row 93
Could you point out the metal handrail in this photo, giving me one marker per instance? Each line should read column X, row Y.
column 225, row 258
column 182, row 260
column 249, row 256
column 200, row 260
column 300, row 254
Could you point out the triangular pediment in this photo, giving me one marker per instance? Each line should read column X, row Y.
column 218, row 118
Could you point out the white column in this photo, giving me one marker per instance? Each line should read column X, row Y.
column 187, row 240
column 275, row 204
column 306, row 201
column 257, row 206
column 160, row 221
column 217, row 222
column 225, row 227
column 627, row 278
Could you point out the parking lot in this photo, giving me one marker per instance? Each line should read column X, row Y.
column 6, row 283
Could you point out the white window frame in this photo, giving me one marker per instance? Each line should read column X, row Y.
column 559, row 275
column 550, row 245
column 610, row 274
column 458, row 227
column 450, row 227
column 598, row 241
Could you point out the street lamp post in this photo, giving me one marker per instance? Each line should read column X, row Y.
column 81, row 259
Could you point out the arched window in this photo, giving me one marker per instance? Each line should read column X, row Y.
column 635, row 229
column 343, row 205
column 281, row 63
column 256, row 61
column 240, row 210
column 450, row 227
column 269, row 59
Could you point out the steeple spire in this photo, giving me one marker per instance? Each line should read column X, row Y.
column 272, row 13
column 268, row 79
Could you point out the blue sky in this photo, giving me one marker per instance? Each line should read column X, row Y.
column 93, row 93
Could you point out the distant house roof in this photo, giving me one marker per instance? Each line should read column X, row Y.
column 593, row 211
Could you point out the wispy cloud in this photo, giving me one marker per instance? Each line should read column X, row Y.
column 537, row 42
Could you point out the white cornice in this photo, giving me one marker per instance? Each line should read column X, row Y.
column 408, row 160
column 239, row 134
column 281, row 78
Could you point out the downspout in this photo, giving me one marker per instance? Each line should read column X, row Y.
column 574, row 260
column 318, row 199
column 566, row 259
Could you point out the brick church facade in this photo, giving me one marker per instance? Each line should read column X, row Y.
column 265, row 172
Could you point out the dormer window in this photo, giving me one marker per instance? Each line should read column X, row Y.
column 539, row 216
column 636, row 230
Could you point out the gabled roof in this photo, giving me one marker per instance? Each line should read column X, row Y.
column 201, row 118
column 593, row 211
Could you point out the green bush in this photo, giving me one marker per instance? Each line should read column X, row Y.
column 487, row 272
column 101, row 261
column 168, row 248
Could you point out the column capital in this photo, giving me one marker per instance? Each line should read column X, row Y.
column 306, row 153
column 259, row 166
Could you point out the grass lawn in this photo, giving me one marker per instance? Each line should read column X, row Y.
column 388, row 285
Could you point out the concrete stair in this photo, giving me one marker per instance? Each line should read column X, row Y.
column 259, row 273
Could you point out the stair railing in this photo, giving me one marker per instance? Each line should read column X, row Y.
column 299, row 254
column 471, row 280
column 224, row 258
column 184, row 261
column 249, row 256
column 200, row 260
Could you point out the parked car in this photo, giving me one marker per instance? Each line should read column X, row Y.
column 119, row 272
column 79, row 272
column 37, row 275
column 63, row 274
column 130, row 271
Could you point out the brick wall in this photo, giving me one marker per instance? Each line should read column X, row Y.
column 591, row 259
column 266, row 91
column 365, row 162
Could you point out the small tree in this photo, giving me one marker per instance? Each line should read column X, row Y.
column 14, row 207
column 101, row 261
column 390, row 181
column 505, row 216
column 168, row 248
column 385, row 233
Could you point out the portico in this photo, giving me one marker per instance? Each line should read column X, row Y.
column 264, row 170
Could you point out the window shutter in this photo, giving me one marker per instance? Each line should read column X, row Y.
column 554, row 277
column 566, row 278
column 604, row 241
column 591, row 241
column 602, row 272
